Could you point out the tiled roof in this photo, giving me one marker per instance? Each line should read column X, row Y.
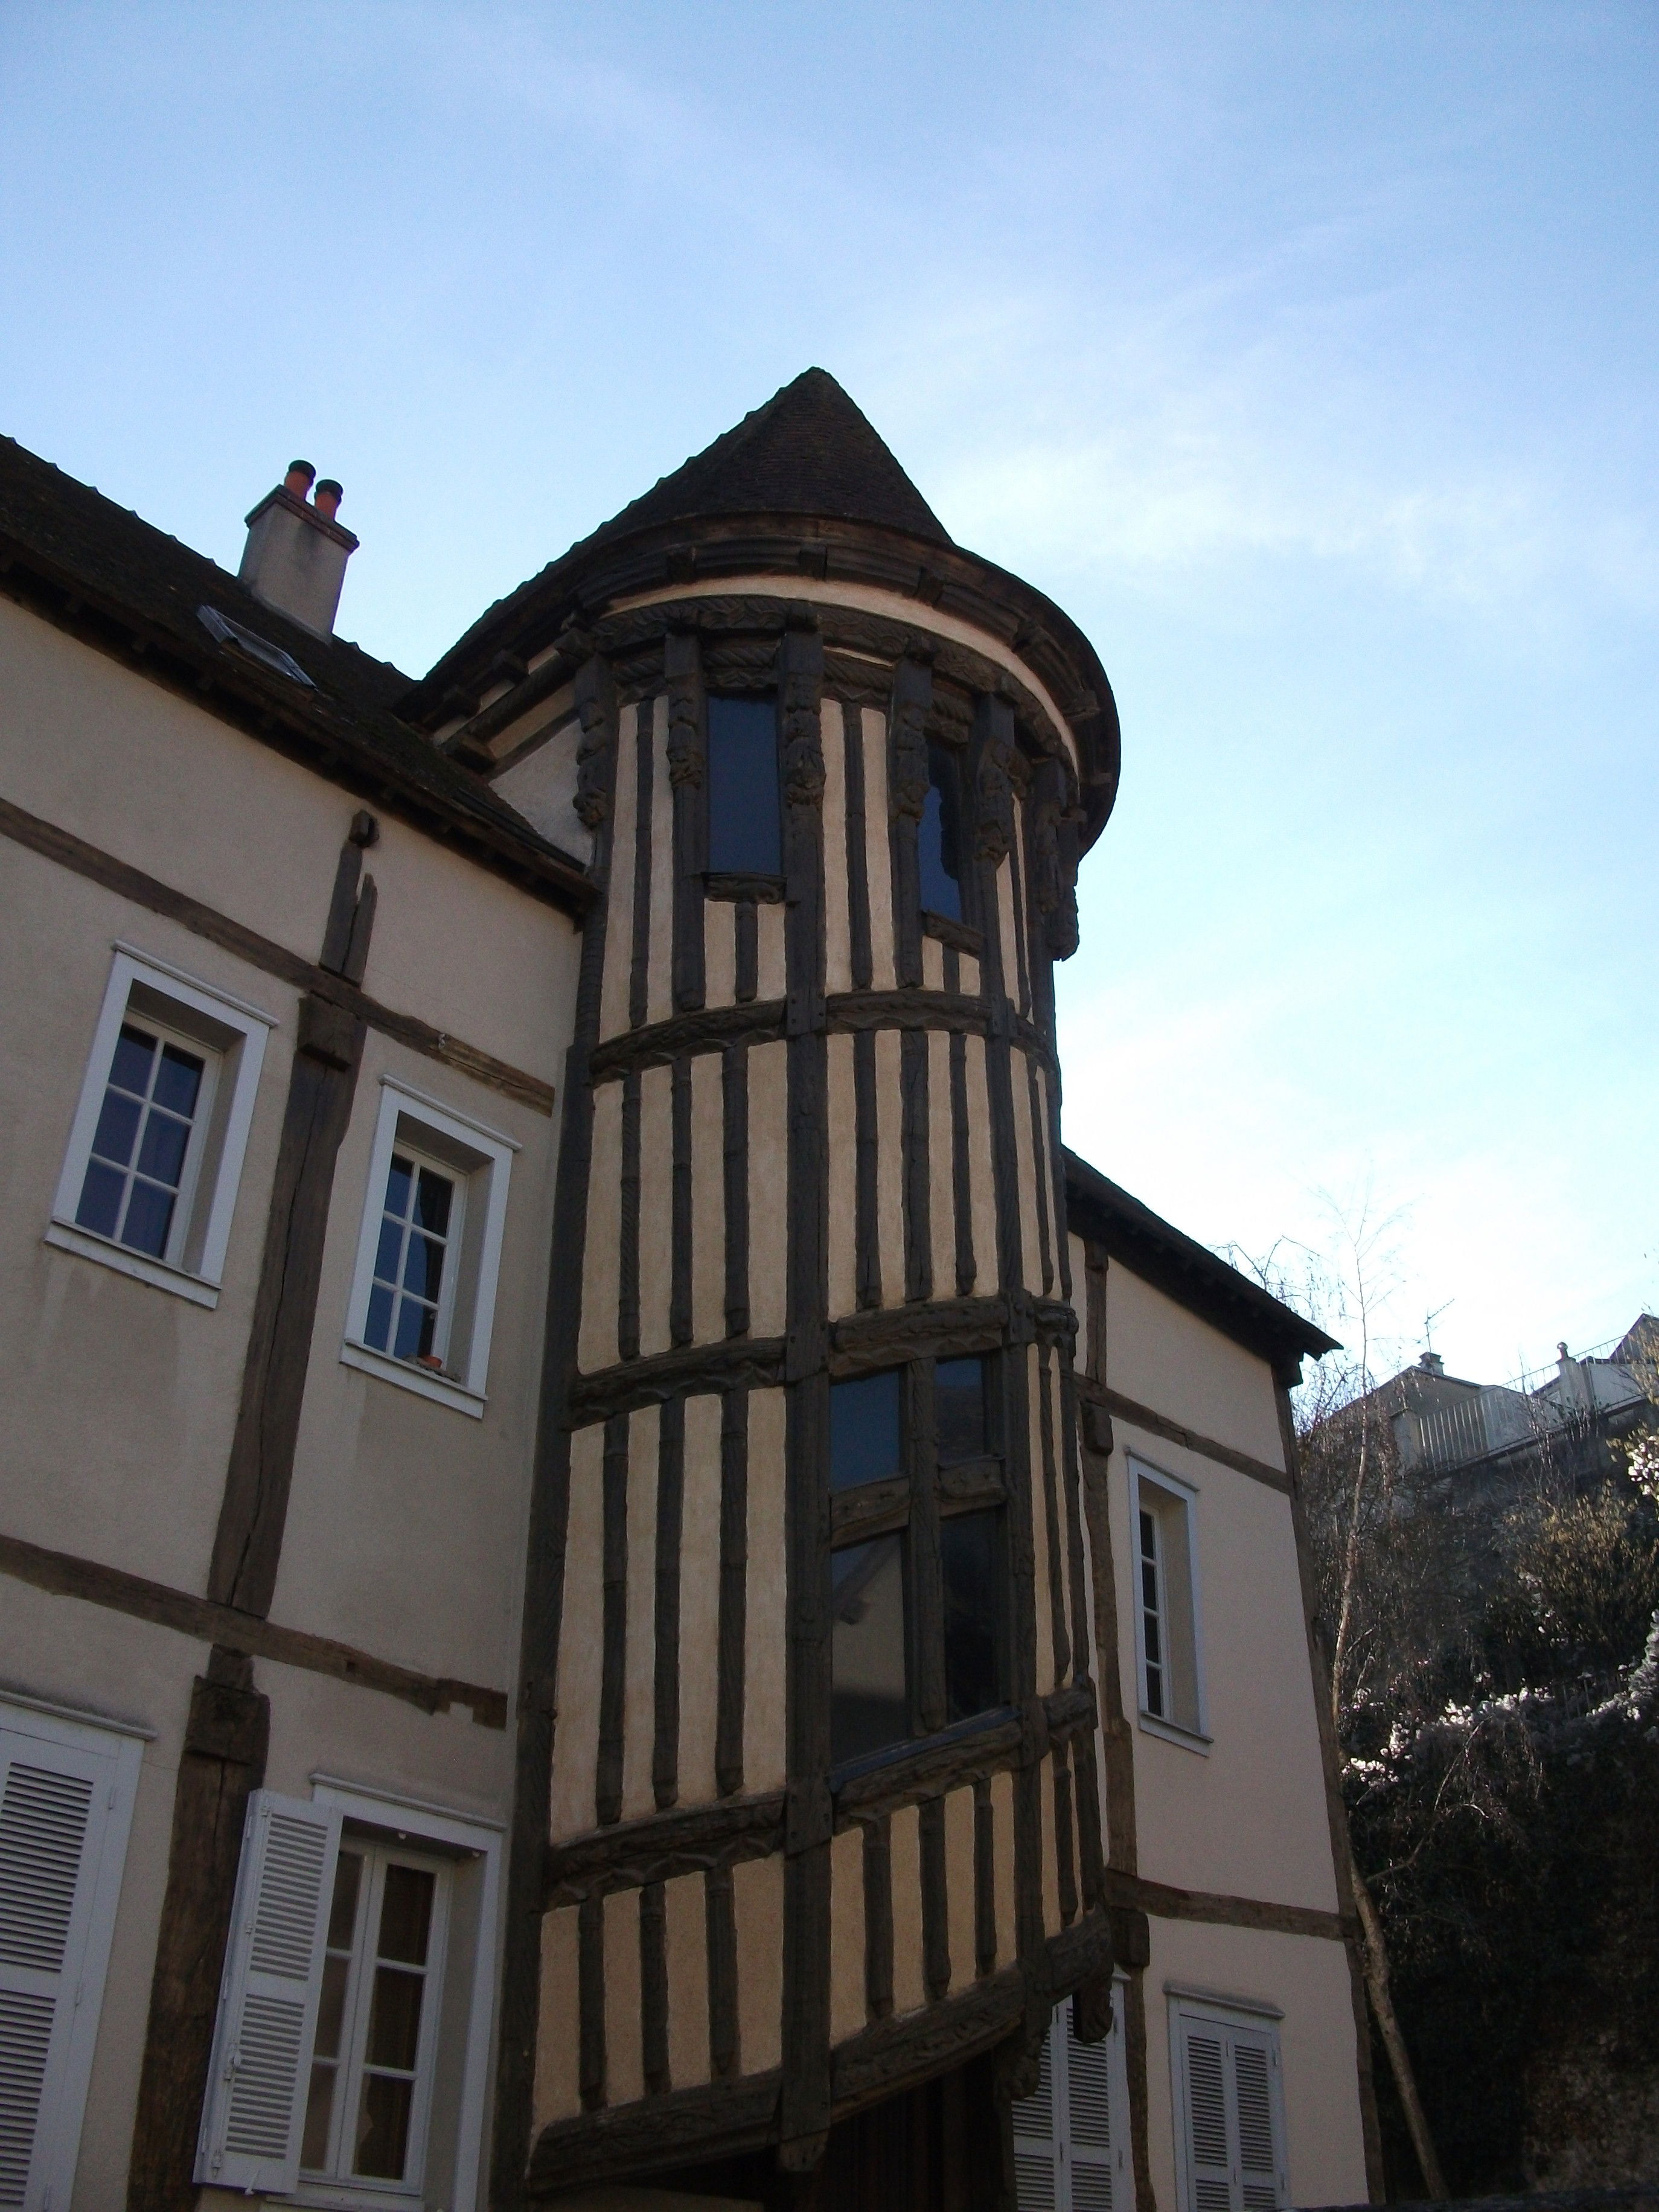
column 808, row 451
column 106, row 562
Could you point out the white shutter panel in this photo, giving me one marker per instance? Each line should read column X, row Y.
column 1093, row 2154
column 1036, row 2127
column 1253, row 2059
column 55, row 1801
column 255, row 2099
column 1205, row 2045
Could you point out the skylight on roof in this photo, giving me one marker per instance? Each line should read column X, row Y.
column 256, row 648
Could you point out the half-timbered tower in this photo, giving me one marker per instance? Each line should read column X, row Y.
column 615, row 1568
column 811, row 1748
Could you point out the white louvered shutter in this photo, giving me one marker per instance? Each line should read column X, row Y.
column 1255, row 2059
column 255, row 2099
column 1206, row 2048
column 1036, row 2141
column 1091, row 2153
column 56, row 1801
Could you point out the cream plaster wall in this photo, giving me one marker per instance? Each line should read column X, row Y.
column 1247, row 1817
column 1307, row 1977
column 259, row 839
column 1163, row 1356
column 127, row 1467
column 406, row 1519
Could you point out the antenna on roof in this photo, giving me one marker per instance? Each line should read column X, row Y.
column 1429, row 1321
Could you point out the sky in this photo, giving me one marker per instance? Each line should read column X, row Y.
column 1303, row 352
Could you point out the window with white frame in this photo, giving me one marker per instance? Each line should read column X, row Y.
column 1230, row 2105
column 66, row 1795
column 351, row 2052
column 160, row 1128
column 423, row 1292
column 1072, row 2138
column 1169, row 1648
column 377, row 2017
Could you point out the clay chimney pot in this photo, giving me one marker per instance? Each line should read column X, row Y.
column 299, row 479
column 328, row 497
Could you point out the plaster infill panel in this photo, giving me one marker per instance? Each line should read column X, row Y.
column 708, row 1199
column 1305, row 1977
column 764, row 1616
column 77, row 1473
column 639, row 1669
column 557, row 2092
column 1165, row 1357
column 700, row 1595
column 879, row 861
column 843, row 1178
column 375, row 1551
column 581, row 1638
column 1245, row 1817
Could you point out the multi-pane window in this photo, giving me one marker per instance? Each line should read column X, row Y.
column 409, row 1303
column 428, row 1255
column 1166, row 1612
column 938, row 836
column 918, row 1570
column 745, row 835
column 147, row 1140
column 155, row 1148
column 377, row 2017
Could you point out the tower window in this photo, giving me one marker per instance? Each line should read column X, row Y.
column 746, row 834
column 914, row 1647
column 938, row 836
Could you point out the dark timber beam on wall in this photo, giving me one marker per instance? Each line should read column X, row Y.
column 757, row 1360
column 222, row 1762
column 660, row 1846
column 687, row 777
column 248, row 1542
column 717, row 2119
column 734, row 1591
column 1176, row 1433
column 670, row 1513
column 270, row 958
column 64, row 1574
column 858, row 849
column 847, row 1013
column 804, row 2119
column 224, row 1754
column 549, row 1493
column 639, row 970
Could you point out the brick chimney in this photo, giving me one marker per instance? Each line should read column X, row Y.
column 296, row 551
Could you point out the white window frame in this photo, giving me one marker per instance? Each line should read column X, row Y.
column 232, row 1035
column 351, row 2063
column 1220, row 2008
column 407, row 1820
column 1183, row 1497
column 479, row 1159
column 118, row 1748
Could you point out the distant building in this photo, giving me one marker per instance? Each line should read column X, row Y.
column 1479, row 1437
column 616, row 1568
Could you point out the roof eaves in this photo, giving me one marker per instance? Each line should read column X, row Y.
column 1189, row 1273
column 346, row 742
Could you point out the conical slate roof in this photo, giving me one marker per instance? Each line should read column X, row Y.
column 808, row 451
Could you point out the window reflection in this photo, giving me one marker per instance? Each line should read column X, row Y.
column 744, row 837
column 864, row 1444
column 870, row 1703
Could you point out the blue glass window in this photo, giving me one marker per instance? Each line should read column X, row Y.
column 864, row 1444
column 869, row 1696
column 959, row 1409
column 745, row 835
column 971, row 1560
column 130, row 1190
column 416, row 1229
column 938, row 836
